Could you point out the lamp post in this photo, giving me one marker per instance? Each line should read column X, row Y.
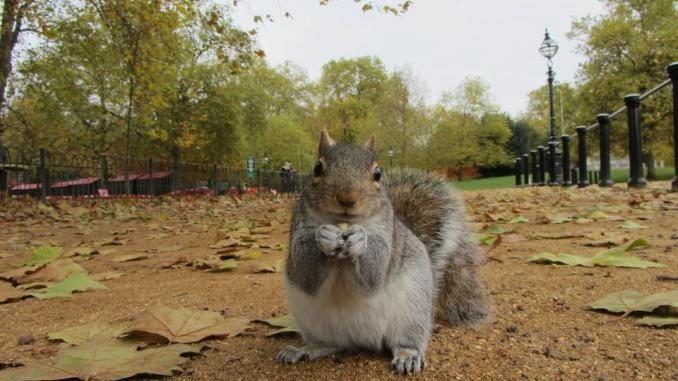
column 548, row 49
column 390, row 156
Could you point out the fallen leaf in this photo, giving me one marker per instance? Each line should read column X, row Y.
column 83, row 333
column 102, row 358
column 14, row 275
column 285, row 323
column 628, row 301
column 616, row 257
column 81, row 252
column 630, row 225
column 556, row 235
column 129, row 258
column 164, row 249
column 513, row 238
column 261, row 230
column 74, row 282
column 270, row 268
column 598, row 215
column 497, row 229
column 52, row 272
column 484, row 239
column 224, row 243
column 518, row 220
column 9, row 293
column 107, row 275
column 43, row 255
column 658, row 321
column 183, row 325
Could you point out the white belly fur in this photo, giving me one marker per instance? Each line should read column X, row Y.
column 339, row 316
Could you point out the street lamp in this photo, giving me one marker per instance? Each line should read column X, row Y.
column 390, row 156
column 548, row 49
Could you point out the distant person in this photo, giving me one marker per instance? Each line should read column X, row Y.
column 286, row 173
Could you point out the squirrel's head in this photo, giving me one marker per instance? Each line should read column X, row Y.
column 346, row 184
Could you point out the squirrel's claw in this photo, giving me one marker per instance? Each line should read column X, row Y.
column 291, row 354
column 407, row 361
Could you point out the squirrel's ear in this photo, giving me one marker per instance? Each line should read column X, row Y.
column 371, row 145
column 325, row 142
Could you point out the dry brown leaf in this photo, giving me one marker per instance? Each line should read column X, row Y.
column 184, row 325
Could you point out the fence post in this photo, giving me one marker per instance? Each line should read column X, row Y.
column 566, row 160
column 673, row 74
column 542, row 165
column 526, row 169
column 573, row 173
column 151, row 187
column 636, row 178
column 518, row 169
column 3, row 173
column 604, row 131
column 215, row 182
column 535, row 167
column 553, row 177
column 44, row 176
column 581, row 157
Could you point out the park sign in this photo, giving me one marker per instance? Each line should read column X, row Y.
column 251, row 165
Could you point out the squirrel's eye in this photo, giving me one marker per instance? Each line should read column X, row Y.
column 376, row 175
column 318, row 169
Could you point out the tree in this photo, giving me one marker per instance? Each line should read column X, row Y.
column 401, row 117
column 524, row 137
column 566, row 107
column 468, row 129
column 627, row 50
column 348, row 92
column 18, row 17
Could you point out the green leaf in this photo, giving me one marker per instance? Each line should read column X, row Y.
column 628, row 224
column 43, row 255
column 518, row 220
column 285, row 323
column 598, row 215
column 184, row 325
column 227, row 265
column 102, row 358
column 484, row 239
column 615, row 257
column 498, row 229
column 628, row 301
column 64, row 289
column 658, row 321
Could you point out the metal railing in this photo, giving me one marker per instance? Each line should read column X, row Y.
column 45, row 174
column 535, row 174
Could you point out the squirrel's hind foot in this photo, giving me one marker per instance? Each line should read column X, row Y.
column 407, row 361
column 292, row 354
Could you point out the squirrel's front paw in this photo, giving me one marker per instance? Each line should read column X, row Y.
column 330, row 240
column 355, row 242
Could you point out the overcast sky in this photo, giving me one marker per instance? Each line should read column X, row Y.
column 442, row 41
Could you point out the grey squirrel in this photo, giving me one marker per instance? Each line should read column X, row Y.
column 372, row 256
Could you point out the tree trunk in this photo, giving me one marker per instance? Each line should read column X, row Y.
column 9, row 33
column 648, row 160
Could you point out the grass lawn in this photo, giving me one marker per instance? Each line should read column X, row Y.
column 618, row 176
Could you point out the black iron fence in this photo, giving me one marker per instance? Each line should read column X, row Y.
column 540, row 158
column 46, row 174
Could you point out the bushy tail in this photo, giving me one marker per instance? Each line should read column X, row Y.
column 427, row 205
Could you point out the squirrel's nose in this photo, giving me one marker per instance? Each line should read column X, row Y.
column 345, row 200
